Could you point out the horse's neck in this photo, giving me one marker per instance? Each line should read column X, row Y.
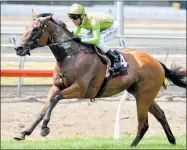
column 59, row 35
column 58, row 44
column 63, row 47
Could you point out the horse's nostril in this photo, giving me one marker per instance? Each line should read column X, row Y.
column 19, row 48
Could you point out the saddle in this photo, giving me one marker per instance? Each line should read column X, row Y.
column 109, row 73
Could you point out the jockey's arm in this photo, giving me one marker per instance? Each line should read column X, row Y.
column 77, row 30
column 95, row 26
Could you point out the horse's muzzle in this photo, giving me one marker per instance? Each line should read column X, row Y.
column 19, row 48
column 21, row 51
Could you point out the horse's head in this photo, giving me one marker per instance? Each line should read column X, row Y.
column 37, row 34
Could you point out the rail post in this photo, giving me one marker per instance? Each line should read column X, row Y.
column 120, row 18
column 20, row 79
column 21, row 66
column 118, row 115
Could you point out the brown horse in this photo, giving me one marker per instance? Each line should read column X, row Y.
column 79, row 73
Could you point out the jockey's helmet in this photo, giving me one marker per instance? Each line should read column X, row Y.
column 75, row 12
column 77, row 9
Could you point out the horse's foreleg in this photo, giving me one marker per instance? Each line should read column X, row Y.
column 74, row 91
column 28, row 130
column 54, row 100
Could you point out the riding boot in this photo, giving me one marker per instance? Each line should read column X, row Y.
column 115, row 60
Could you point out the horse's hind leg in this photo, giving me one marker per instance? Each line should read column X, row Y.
column 145, row 95
column 142, row 114
column 160, row 116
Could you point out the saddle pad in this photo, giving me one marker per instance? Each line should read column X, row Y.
column 122, row 61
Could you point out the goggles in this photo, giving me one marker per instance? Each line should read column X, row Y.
column 74, row 16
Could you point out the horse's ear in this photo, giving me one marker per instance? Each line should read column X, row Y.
column 33, row 14
column 47, row 17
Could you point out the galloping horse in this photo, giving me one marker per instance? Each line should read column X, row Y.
column 80, row 72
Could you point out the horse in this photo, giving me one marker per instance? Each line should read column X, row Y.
column 80, row 73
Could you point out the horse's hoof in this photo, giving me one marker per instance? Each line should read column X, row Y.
column 172, row 140
column 45, row 131
column 19, row 138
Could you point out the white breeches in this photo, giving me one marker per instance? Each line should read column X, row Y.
column 105, row 36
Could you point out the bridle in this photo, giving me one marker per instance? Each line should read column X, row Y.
column 35, row 39
column 36, row 34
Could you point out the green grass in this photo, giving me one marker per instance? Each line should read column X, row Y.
column 152, row 142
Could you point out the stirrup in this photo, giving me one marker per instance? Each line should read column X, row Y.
column 117, row 65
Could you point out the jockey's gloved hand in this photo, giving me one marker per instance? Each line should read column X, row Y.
column 77, row 38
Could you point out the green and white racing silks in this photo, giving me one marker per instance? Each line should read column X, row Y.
column 95, row 22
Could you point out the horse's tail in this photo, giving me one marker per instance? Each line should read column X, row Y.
column 176, row 76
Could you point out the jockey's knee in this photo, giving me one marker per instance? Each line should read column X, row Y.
column 104, row 47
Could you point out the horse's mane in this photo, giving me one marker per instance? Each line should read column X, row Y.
column 55, row 21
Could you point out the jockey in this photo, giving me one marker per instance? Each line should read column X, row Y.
column 100, row 28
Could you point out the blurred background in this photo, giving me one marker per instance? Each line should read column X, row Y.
column 140, row 18
column 158, row 28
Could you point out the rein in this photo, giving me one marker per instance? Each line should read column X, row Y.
column 58, row 43
column 42, row 30
column 55, row 47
